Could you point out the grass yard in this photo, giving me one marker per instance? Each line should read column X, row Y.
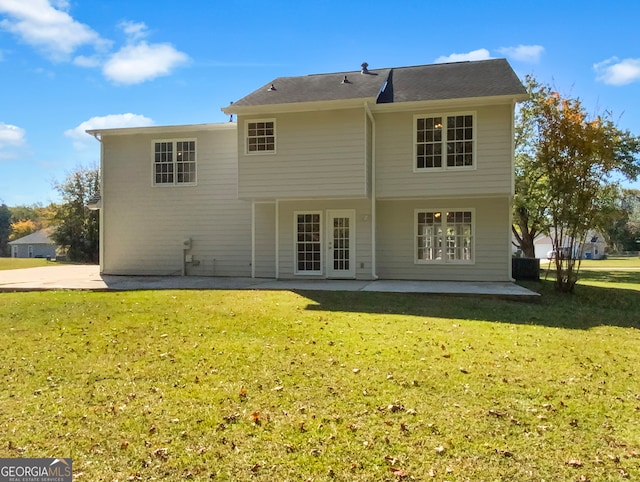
column 21, row 263
column 283, row 386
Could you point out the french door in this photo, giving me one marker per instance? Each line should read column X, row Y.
column 340, row 259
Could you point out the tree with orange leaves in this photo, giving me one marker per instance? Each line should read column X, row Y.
column 566, row 168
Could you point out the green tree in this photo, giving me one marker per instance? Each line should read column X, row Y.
column 530, row 208
column 77, row 228
column 623, row 233
column 5, row 229
column 570, row 187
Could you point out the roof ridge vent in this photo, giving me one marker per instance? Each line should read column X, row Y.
column 364, row 70
column 345, row 80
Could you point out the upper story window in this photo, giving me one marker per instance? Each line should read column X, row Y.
column 444, row 141
column 174, row 162
column 261, row 136
column 444, row 236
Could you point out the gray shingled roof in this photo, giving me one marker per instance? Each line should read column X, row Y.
column 313, row 88
column 39, row 237
column 404, row 84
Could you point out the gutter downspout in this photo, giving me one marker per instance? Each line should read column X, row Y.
column 374, row 274
column 513, row 189
column 253, row 238
column 277, row 270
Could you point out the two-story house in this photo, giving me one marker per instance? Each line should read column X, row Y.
column 399, row 173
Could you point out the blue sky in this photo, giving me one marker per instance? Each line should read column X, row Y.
column 71, row 65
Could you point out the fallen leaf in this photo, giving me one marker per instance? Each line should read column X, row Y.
column 395, row 407
column 401, row 474
column 162, row 454
column 574, row 463
column 440, row 449
column 256, row 417
column 356, row 370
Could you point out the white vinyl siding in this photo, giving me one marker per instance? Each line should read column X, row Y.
column 491, row 174
column 319, row 155
column 396, row 243
column 265, row 240
column 144, row 227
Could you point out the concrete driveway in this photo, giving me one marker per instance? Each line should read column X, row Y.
column 88, row 277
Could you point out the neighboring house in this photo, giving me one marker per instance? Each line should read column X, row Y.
column 34, row 245
column 400, row 173
column 594, row 246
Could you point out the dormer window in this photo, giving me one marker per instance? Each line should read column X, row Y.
column 261, row 136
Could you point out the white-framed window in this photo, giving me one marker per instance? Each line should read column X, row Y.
column 444, row 141
column 261, row 136
column 444, row 236
column 308, row 242
column 174, row 162
column 30, row 251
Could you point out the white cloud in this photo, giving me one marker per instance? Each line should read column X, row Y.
column 46, row 25
column 113, row 121
column 523, row 53
column 138, row 63
column 614, row 71
column 11, row 138
column 480, row 54
column 134, row 30
column 88, row 61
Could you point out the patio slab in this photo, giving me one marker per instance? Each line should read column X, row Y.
column 88, row 277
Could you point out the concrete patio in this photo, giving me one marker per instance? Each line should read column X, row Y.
column 88, row 277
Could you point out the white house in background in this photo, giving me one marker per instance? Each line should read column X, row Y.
column 34, row 245
column 395, row 173
column 594, row 247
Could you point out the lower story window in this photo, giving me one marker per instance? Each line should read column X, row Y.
column 308, row 243
column 444, row 236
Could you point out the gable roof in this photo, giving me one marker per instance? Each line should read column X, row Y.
column 39, row 237
column 486, row 78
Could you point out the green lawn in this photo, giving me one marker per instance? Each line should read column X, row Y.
column 21, row 263
column 277, row 386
